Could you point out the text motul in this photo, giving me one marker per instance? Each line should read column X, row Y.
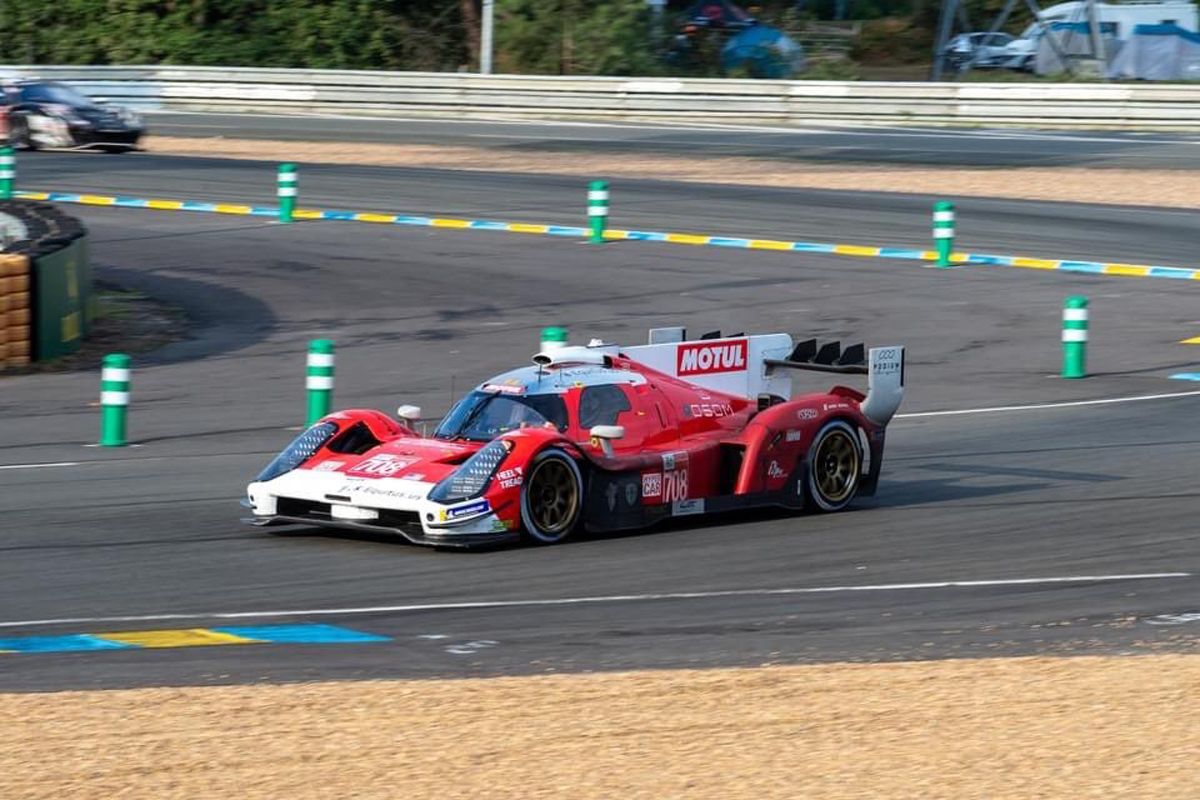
column 701, row 359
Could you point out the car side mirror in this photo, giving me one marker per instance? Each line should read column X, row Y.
column 604, row 435
column 409, row 414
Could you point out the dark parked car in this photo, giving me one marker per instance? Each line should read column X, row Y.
column 50, row 114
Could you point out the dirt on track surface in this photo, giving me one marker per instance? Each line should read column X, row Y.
column 1079, row 727
column 1145, row 187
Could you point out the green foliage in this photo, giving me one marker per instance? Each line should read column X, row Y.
column 833, row 69
column 575, row 37
column 345, row 34
column 893, row 41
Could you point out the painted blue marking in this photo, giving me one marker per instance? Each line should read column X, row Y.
column 198, row 205
column 998, row 261
column 130, row 202
column 646, row 236
column 339, row 215
column 898, row 252
column 489, row 225
column 401, row 220
column 565, row 230
column 60, row 644
column 1170, row 272
column 1081, row 266
column 304, row 633
column 264, row 211
column 812, row 247
column 63, row 198
column 725, row 241
column 1179, row 376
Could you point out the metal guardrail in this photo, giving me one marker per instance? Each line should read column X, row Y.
column 1140, row 106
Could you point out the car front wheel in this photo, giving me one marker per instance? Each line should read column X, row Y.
column 551, row 497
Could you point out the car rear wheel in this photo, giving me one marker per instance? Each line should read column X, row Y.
column 551, row 497
column 834, row 467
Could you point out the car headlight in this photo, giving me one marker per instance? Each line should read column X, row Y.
column 300, row 450
column 473, row 476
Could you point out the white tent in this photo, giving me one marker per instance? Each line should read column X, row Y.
column 1158, row 53
column 1074, row 41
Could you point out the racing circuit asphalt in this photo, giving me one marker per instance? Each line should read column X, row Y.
column 419, row 314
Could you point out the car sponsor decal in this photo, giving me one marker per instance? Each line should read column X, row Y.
column 469, row 510
column 384, row 465
column 774, row 471
column 707, row 410
column 793, row 436
column 502, row 388
column 652, row 485
column 684, row 508
column 329, row 466
column 673, row 460
column 372, row 490
column 698, row 358
column 806, row 413
column 510, row 478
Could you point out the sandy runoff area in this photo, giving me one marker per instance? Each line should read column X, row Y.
column 1147, row 187
column 1069, row 728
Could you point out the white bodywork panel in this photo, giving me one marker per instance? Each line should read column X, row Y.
column 368, row 494
column 732, row 365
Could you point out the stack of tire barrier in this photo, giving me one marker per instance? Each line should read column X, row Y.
column 45, row 285
column 14, row 310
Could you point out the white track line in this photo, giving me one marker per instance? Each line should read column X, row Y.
column 41, row 466
column 573, row 601
column 1039, row 406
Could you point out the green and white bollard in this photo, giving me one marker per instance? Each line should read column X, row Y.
column 114, row 399
column 287, row 191
column 319, row 380
column 553, row 338
column 943, row 231
column 597, row 210
column 1075, row 337
column 8, row 172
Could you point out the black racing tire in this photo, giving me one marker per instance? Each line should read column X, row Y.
column 551, row 497
column 18, row 133
column 834, row 467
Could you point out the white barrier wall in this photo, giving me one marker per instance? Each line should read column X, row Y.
column 1130, row 106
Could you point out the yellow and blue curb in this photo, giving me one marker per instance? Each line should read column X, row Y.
column 579, row 232
column 304, row 633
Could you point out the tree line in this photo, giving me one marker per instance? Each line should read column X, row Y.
column 536, row 36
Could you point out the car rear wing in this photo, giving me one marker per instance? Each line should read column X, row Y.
column 883, row 366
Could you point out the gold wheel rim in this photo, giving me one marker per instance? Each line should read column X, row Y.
column 836, row 466
column 553, row 496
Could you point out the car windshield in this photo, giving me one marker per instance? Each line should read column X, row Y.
column 482, row 416
column 53, row 93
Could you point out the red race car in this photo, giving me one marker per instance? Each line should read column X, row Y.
column 599, row 438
